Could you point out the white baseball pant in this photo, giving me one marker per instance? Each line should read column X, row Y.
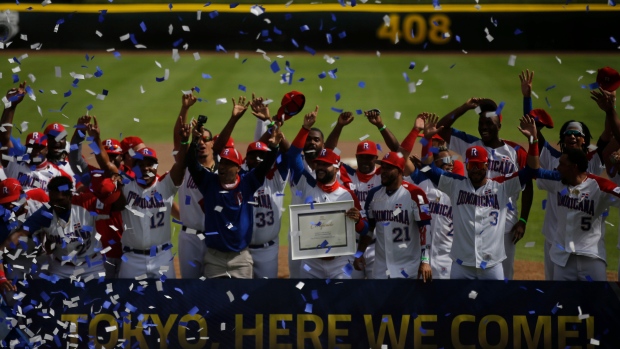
column 191, row 254
column 462, row 272
column 369, row 258
column 68, row 270
column 581, row 268
column 317, row 268
column 549, row 265
column 265, row 259
column 139, row 264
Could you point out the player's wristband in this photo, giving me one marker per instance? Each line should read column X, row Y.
column 185, row 143
column 271, row 124
column 523, row 220
column 425, row 260
column 383, row 128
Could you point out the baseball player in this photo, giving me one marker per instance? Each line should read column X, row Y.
column 505, row 157
column 57, row 152
column 146, row 239
column 573, row 134
column 367, row 175
column 69, row 227
column 397, row 211
column 15, row 206
column 479, row 208
column 228, row 209
column 325, row 188
column 579, row 253
column 191, row 245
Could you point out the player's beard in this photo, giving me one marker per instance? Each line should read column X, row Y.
column 327, row 178
column 311, row 153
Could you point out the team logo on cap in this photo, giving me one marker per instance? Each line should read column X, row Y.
column 366, row 146
column 108, row 143
column 5, row 190
column 474, row 152
column 35, row 135
column 145, row 152
column 55, row 126
column 324, row 152
column 386, row 156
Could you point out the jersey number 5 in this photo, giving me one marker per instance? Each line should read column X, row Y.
column 586, row 223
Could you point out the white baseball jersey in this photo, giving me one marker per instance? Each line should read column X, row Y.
column 549, row 160
column 72, row 237
column 35, row 176
column 442, row 229
column 148, row 221
column 298, row 197
column 479, row 215
column 360, row 183
column 268, row 211
column 580, row 229
column 400, row 229
column 503, row 161
column 190, row 204
column 65, row 166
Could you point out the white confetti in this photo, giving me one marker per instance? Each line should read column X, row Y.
column 594, row 341
column 24, row 37
column 364, row 137
column 185, row 28
column 566, row 99
column 530, row 244
column 569, row 107
column 221, row 101
column 218, row 208
column 257, row 10
column 223, row 326
column 444, row 97
column 124, row 37
column 558, row 58
column 397, row 115
column 24, row 126
column 136, row 119
column 386, row 20
column 396, row 211
column 378, row 54
column 511, row 60
column 425, row 69
column 170, row 29
column 412, row 87
column 300, row 285
column 535, row 94
column 231, row 297
column 57, row 70
column 98, row 33
column 473, row 294
column 196, row 56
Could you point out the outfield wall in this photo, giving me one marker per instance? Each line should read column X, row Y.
column 321, row 314
column 319, row 27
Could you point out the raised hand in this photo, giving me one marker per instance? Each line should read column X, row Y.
column 473, row 103
column 93, row 129
column 430, row 125
column 418, row 124
column 345, row 118
column 527, row 127
column 239, row 108
column 605, row 100
column 374, row 117
column 197, row 133
column 16, row 95
column 7, row 286
column 310, row 118
column 259, row 108
column 185, row 132
column 526, row 82
column 188, row 100
column 276, row 136
column 416, row 161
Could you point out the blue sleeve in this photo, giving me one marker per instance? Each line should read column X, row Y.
column 418, row 176
column 18, row 148
column 464, row 136
column 554, row 152
column 435, row 173
column 350, row 170
column 282, row 164
column 295, row 163
column 42, row 218
column 545, row 174
column 527, row 105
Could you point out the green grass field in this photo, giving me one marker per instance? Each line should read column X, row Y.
column 449, row 81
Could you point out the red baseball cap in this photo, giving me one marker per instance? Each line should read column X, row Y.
column 395, row 159
column 36, row 138
column 147, row 152
column 476, row 154
column 54, row 129
column 231, row 154
column 257, row 146
column 130, row 142
column 292, row 103
column 366, row 148
column 608, row 79
column 328, row 156
column 542, row 117
column 112, row 146
column 107, row 192
column 458, row 168
column 10, row 190
column 229, row 144
column 435, row 136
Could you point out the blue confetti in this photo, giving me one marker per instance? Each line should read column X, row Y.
column 564, row 191
column 143, row 26
column 544, row 204
column 322, row 75
column 337, row 110
column 219, row 48
column 550, row 87
column 117, row 54
column 213, row 14
column 310, row 50
column 294, row 42
column 329, row 38
column 234, row 4
column 358, row 254
column 361, row 84
column 347, row 269
column 404, row 274
column 308, row 308
column 245, row 297
column 337, row 96
column 242, row 88
column 483, row 265
column 518, row 31
column 452, row 66
column 411, row 65
column 406, row 76
column 206, row 76
column 458, row 39
column 275, row 67
column 277, row 31
column 304, row 28
column 593, row 86
column 67, row 94
column 547, row 100
column 500, row 107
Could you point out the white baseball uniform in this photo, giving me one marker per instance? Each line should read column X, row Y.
column 361, row 184
column 191, row 239
column 296, row 199
column 579, row 249
column 479, row 216
column 400, row 220
column 265, row 244
column 72, row 237
column 549, row 160
column 146, row 239
column 35, row 176
column 442, row 229
column 504, row 160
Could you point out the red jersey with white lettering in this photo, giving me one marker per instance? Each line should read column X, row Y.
column 503, row 161
column 35, row 176
column 400, row 220
column 581, row 229
column 147, row 221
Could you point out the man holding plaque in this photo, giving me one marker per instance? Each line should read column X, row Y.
column 325, row 188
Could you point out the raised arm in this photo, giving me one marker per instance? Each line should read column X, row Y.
column 260, row 172
column 528, row 129
column 406, row 147
column 526, row 77
column 343, row 120
column 374, row 117
column 102, row 157
column 197, row 172
column 607, row 102
column 447, row 121
column 294, row 153
column 239, row 109
column 186, row 102
column 13, row 97
column 177, row 172
column 78, row 165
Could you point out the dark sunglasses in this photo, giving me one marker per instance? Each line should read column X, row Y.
column 476, row 165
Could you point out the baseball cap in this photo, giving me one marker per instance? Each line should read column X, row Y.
column 130, row 142
column 435, row 136
column 476, row 154
column 10, row 190
column 54, row 129
column 231, row 154
column 257, row 146
column 292, row 103
column 107, row 192
column 458, row 168
column 147, row 152
column 608, row 79
column 112, row 146
column 328, row 156
column 229, row 144
column 366, row 148
column 542, row 117
column 395, row 159
column 36, row 138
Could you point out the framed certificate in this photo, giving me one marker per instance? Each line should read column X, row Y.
column 322, row 230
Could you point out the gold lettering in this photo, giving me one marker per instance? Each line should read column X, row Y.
column 94, row 332
column 73, row 319
column 590, row 330
column 129, row 332
column 333, row 332
column 414, row 29
column 392, row 31
column 256, row 332
column 417, row 332
column 313, row 335
column 202, row 323
column 455, row 331
column 482, row 332
column 163, row 330
column 274, row 331
column 521, row 328
column 438, row 26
